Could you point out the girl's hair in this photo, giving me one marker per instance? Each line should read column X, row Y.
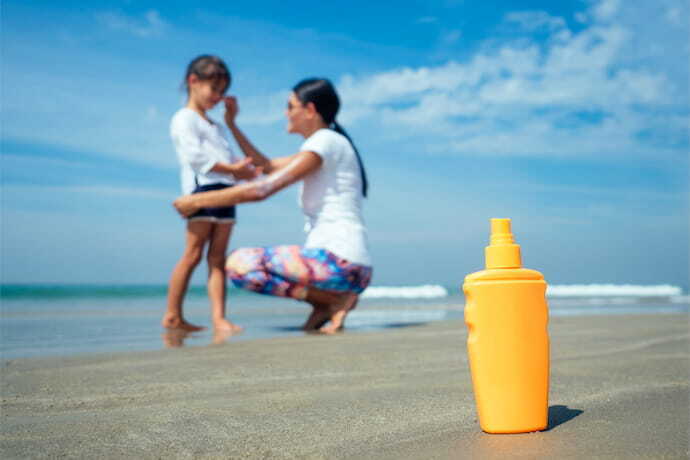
column 208, row 67
column 321, row 93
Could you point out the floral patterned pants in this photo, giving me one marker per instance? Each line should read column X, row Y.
column 288, row 271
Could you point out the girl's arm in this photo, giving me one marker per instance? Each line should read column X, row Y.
column 300, row 165
column 259, row 159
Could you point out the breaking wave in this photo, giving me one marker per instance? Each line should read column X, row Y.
column 434, row 291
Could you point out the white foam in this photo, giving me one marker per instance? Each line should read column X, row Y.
column 612, row 290
column 398, row 315
column 426, row 291
column 613, row 293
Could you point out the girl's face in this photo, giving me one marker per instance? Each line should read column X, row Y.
column 297, row 115
column 206, row 93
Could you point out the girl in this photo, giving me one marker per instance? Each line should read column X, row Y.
column 206, row 164
column 333, row 267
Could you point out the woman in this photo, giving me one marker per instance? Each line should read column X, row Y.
column 333, row 267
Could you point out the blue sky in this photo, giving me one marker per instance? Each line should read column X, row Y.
column 569, row 117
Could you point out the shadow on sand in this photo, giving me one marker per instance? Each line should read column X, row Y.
column 561, row 414
column 358, row 327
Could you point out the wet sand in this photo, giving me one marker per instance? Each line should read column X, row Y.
column 619, row 389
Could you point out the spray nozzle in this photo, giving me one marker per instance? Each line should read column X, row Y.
column 502, row 252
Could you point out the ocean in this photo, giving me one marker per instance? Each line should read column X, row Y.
column 62, row 320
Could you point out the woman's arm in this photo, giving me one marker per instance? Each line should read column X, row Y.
column 301, row 165
column 259, row 159
column 243, row 169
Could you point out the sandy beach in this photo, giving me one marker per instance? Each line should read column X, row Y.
column 619, row 389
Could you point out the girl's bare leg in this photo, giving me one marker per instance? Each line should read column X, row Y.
column 196, row 236
column 220, row 235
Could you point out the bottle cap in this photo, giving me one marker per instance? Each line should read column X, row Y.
column 502, row 252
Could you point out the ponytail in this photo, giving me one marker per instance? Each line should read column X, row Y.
column 365, row 184
column 322, row 94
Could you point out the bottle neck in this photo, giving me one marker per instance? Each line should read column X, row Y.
column 503, row 256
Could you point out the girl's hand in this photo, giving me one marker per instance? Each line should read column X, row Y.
column 231, row 109
column 244, row 169
column 185, row 205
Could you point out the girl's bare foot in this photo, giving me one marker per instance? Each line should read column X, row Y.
column 221, row 336
column 177, row 322
column 174, row 338
column 223, row 325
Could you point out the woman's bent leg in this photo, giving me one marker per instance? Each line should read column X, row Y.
column 277, row 271
column 218, row 246
column 337, row 306
column 317, row 276
column 196, row 236
column 337, row 283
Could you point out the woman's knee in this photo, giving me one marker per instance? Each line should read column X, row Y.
column 245, row 268
column 256, row 280
column 244, row 260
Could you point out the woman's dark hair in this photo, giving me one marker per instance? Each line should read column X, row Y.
column 321, row 93
column 208, row 67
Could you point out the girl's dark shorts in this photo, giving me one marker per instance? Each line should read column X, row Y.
column 218, row 215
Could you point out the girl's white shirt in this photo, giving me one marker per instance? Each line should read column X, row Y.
column 331, row 199
column 200, row 144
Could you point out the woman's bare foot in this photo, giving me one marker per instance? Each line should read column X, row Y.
column 319, row 316
column 177, row 322
column 336, row 323
column 338, row 313
column 223, row 325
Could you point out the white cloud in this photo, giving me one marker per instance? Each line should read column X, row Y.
column 533, row 20
column 150, row 25
column 573, row 93
column 605, row 9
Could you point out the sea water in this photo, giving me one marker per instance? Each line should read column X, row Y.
column 40, row 320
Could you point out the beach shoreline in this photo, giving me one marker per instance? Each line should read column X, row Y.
column 619, row 389
column 78, row 321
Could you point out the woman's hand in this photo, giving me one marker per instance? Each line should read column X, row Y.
column 244, row 169
column 185, row 205
column 231, row 110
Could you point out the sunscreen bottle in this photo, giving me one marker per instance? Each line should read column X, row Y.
column 508, row 342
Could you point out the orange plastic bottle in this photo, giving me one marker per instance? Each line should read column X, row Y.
column 508, row 342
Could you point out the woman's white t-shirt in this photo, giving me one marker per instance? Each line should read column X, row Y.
column 199, row 144
column 331, row 199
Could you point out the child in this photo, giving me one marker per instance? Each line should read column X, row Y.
column 207, row 163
